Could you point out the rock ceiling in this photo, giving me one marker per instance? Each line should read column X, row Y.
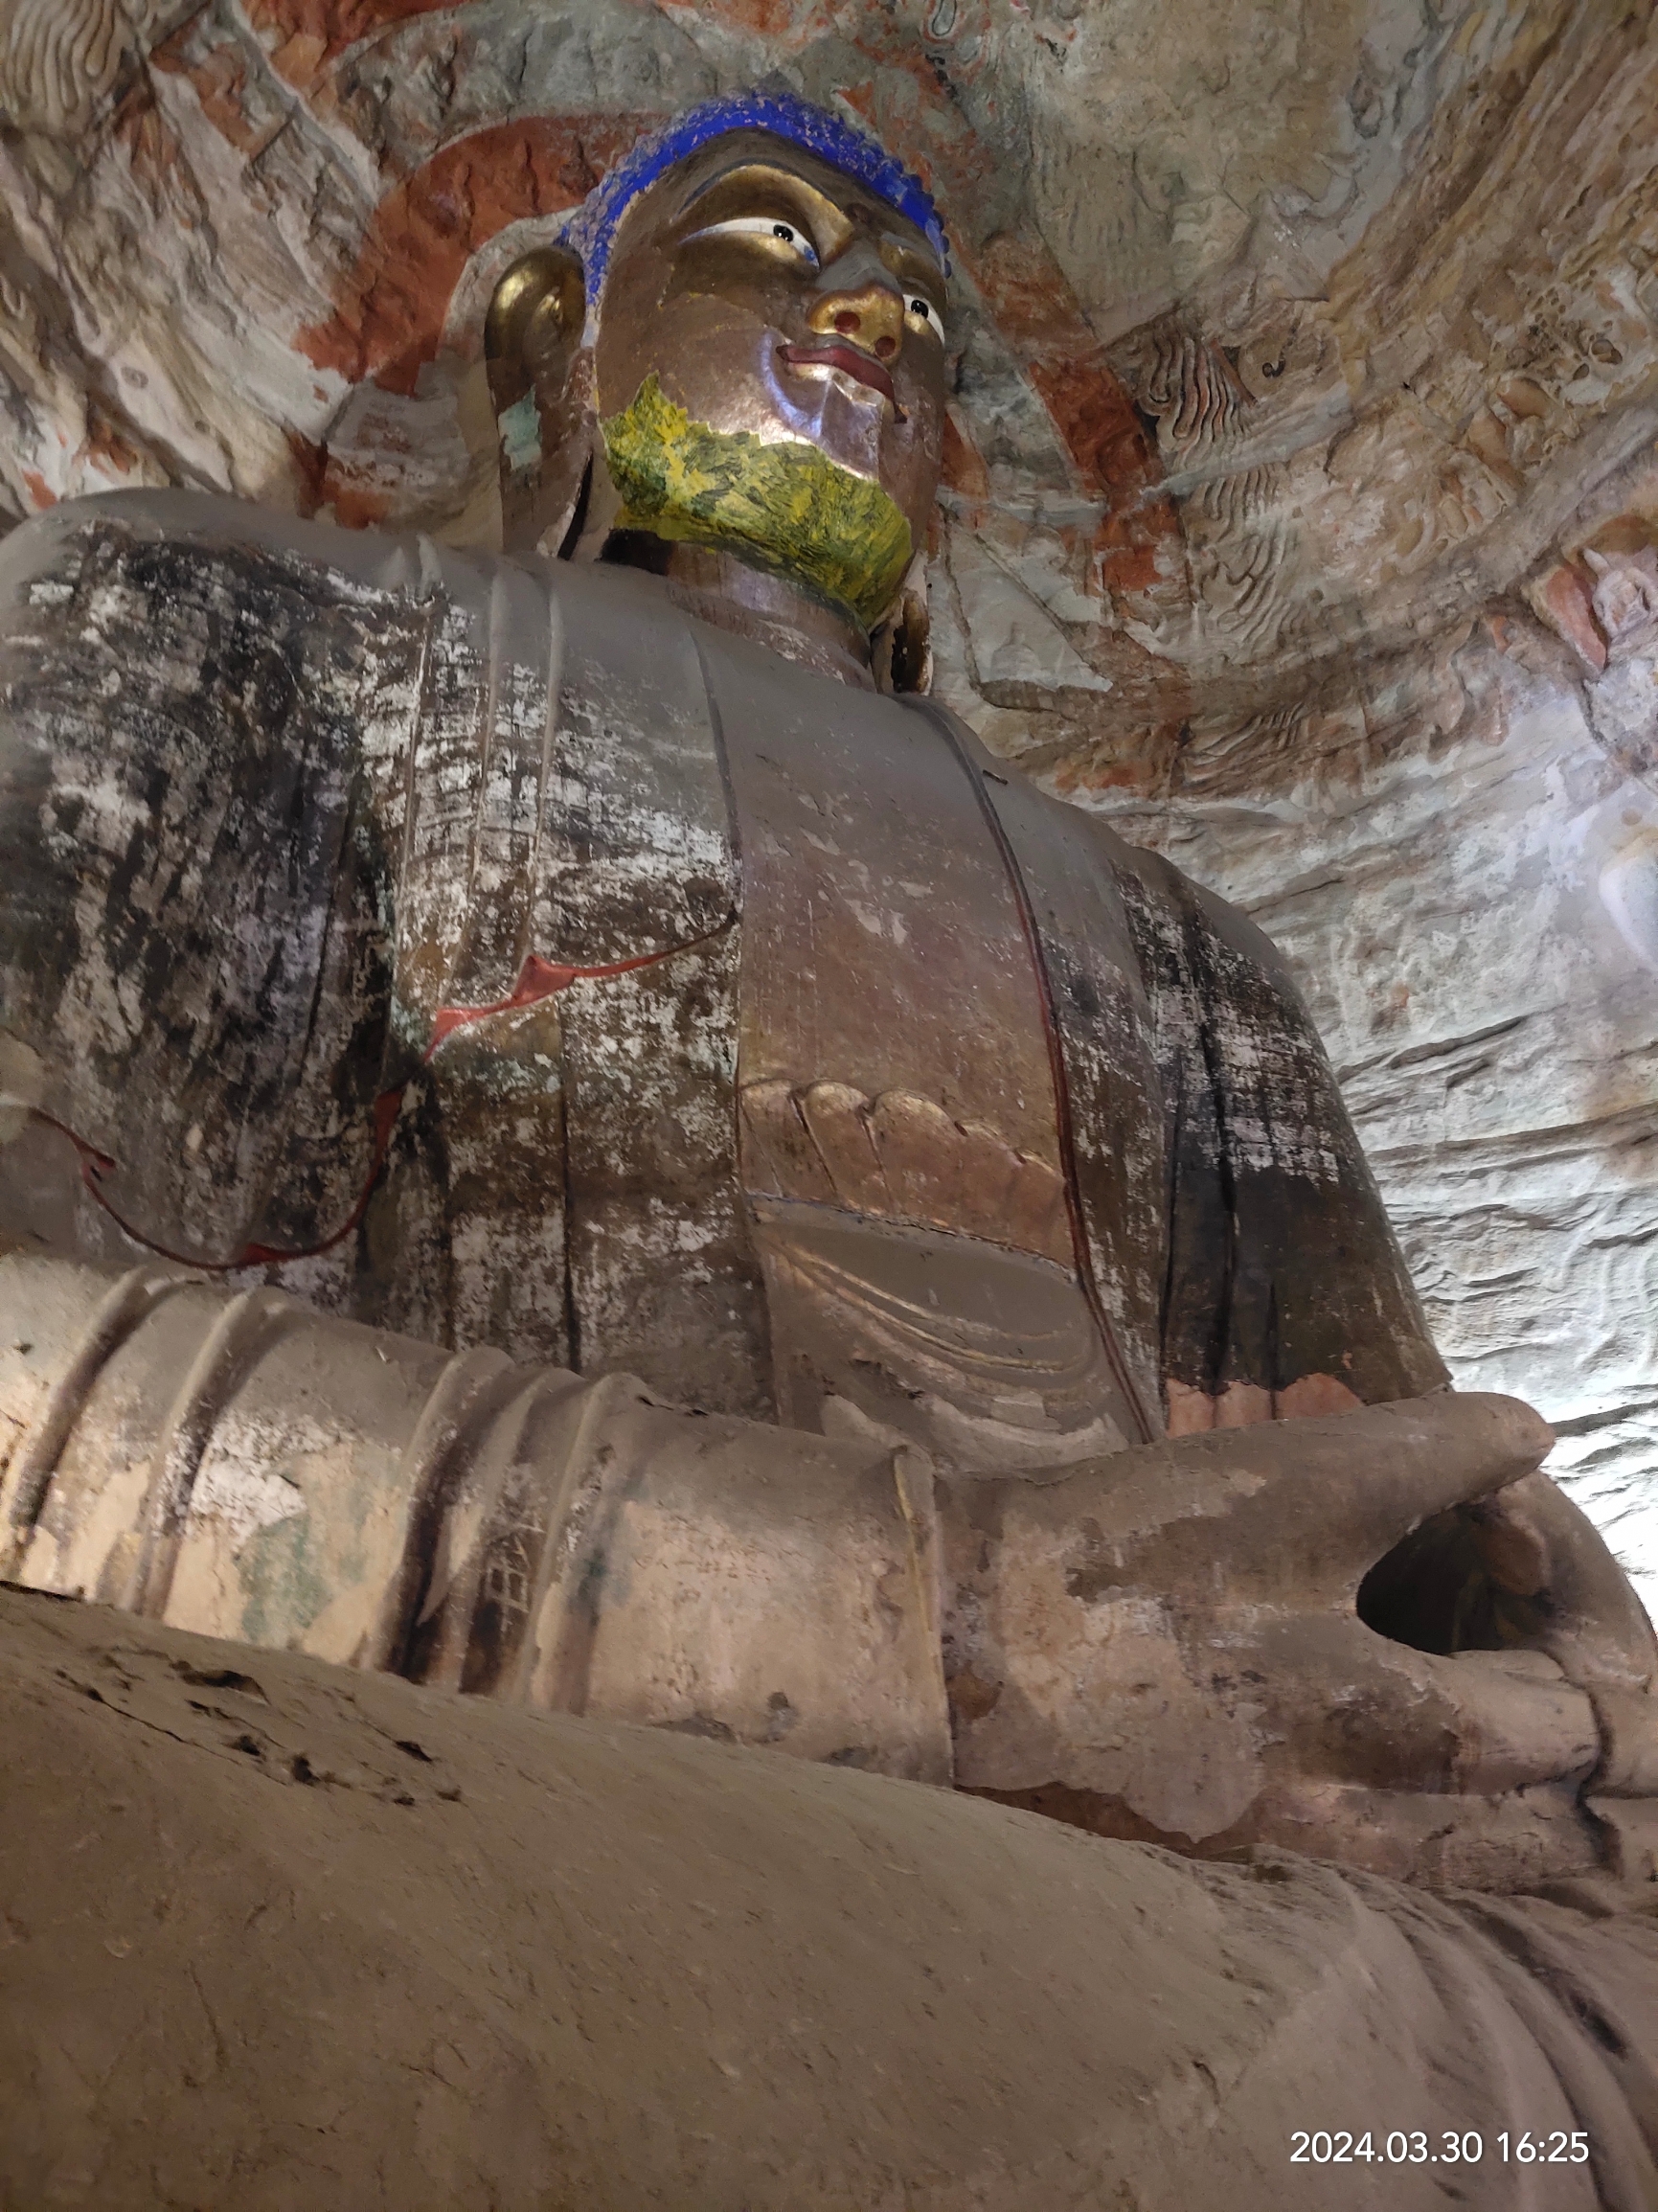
column 1301, row 493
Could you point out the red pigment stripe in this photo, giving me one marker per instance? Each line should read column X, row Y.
column 537, row 979
column 540, row 978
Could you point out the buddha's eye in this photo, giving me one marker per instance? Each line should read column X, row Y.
column 921, row 312
column 785, row 238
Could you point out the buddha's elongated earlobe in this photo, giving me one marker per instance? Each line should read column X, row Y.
column 901, row 648
column 541, row 387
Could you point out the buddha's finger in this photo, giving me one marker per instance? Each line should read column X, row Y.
column 1296, row 1509
column 1354, row 1707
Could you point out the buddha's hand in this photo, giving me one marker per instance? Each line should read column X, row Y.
column 1168, row 1644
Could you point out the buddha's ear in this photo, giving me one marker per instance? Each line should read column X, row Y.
column 902, row 649
column 542, row 388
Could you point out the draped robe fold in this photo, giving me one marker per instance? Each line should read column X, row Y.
column 494, row 952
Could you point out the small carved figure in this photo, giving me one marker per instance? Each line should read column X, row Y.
column 1625, row 599
column 571, row 1133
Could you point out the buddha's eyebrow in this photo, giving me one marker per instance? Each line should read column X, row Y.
column 910, row 263
column 911, row 266
column 760, row 175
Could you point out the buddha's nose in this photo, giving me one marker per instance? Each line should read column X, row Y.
column 872, row 318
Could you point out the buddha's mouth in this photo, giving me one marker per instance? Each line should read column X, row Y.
column 851, row 362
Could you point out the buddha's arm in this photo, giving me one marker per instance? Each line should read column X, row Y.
column 202, row 709
column 1161, row 1644
column 243, row 1467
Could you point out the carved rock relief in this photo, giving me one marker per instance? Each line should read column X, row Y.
column 60, row 58
column 901, row 1158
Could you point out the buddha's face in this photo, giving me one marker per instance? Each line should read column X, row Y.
column 778, row 304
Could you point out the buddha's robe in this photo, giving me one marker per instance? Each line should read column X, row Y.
column 291, row 1936
column 493, row 953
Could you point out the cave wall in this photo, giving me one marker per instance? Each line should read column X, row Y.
column 1301, row 497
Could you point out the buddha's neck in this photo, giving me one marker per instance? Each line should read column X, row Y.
column 720, row 589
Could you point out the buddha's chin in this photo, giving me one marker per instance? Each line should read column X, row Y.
column 861, row 436
column 848, row 422
column 850, row 430
column 792, row 504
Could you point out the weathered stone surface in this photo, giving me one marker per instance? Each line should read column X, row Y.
column 1301, row 509
column 1183, row 1644
column 1455, row 921
column 277, row 1934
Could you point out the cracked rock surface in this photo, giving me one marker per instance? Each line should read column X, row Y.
column 274, row 1933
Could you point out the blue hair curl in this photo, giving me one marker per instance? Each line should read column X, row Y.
column 592, row 232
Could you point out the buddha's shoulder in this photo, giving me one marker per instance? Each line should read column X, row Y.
column 185, row 544
column 166, row 595
column 1161, row 904
column 1200, row 946
column 159, row 539
column 162, row 598
column 1180, row 927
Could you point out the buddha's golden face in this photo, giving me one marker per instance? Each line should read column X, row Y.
column 777, row 303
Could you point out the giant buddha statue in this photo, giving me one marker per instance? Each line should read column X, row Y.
column 568, row 1133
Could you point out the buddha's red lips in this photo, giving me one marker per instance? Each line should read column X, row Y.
column 851, row 362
